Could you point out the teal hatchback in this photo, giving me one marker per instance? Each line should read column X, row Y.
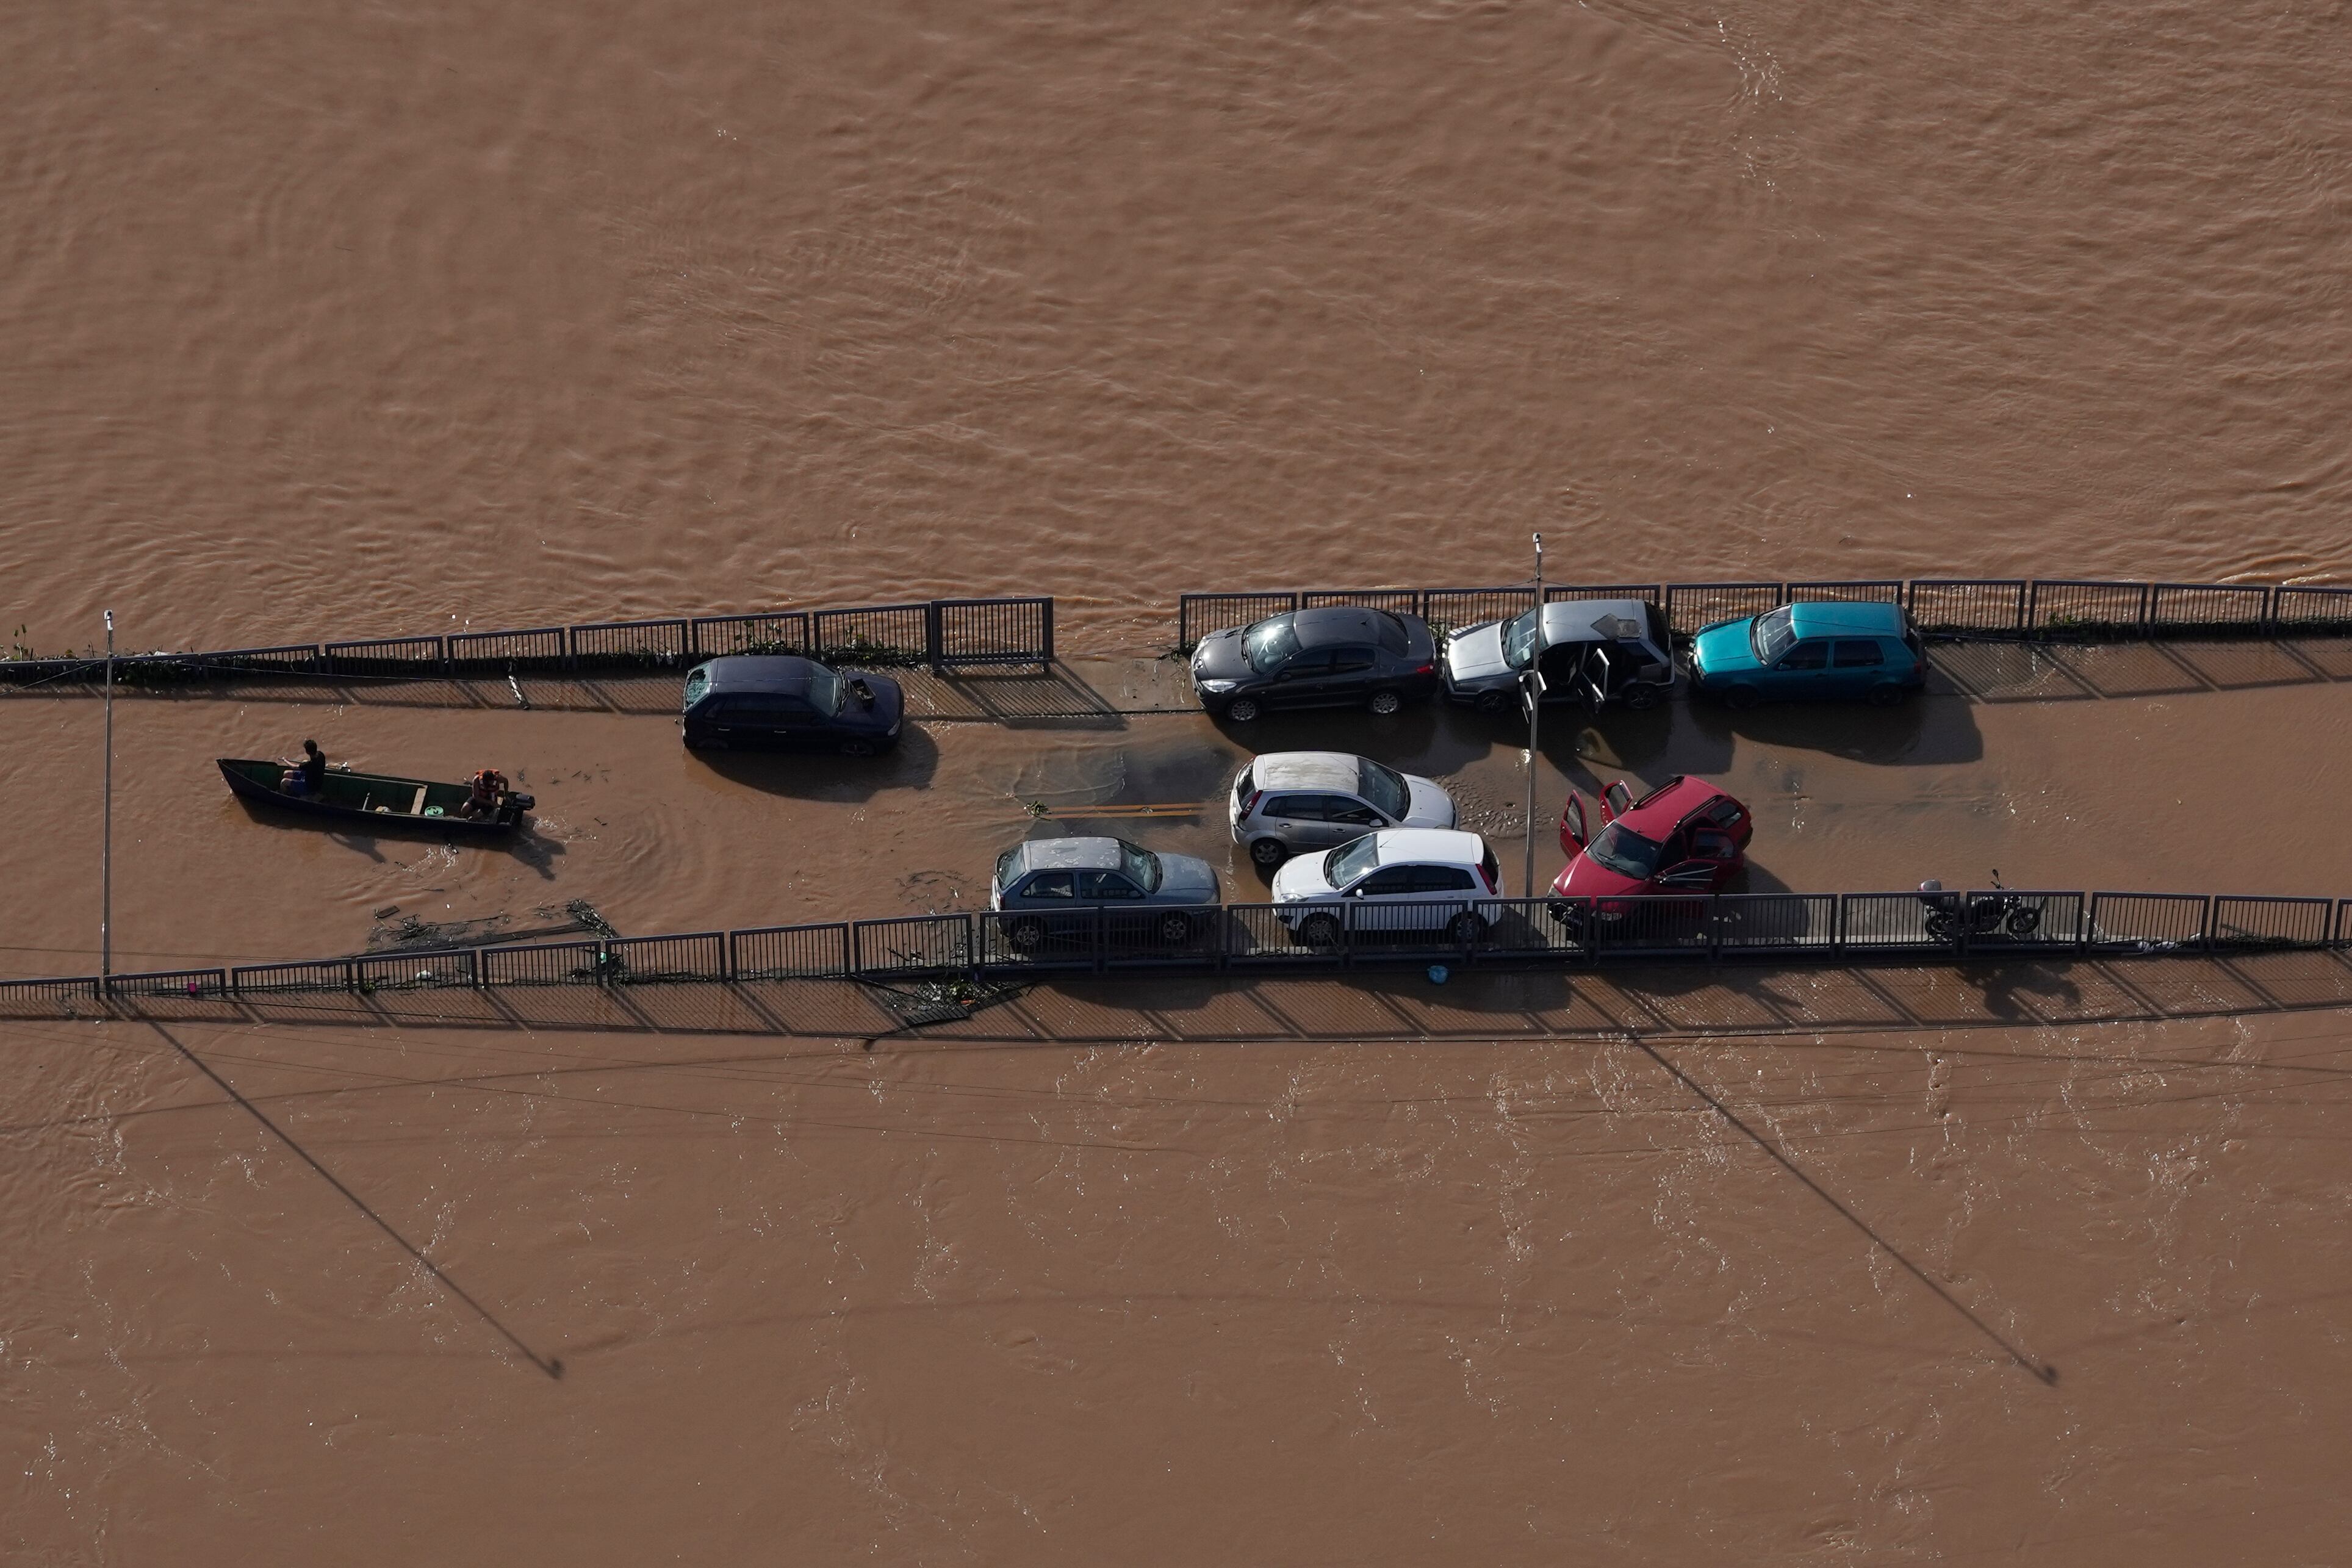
column 1829, row 649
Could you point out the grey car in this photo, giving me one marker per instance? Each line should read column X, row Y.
column 1588, row 650
column 1289, row 803
column 1052, row 887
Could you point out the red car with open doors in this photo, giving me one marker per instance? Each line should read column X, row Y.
column 1684, row 837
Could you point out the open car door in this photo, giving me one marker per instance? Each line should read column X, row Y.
column 1572, row 835
column 1615, row 800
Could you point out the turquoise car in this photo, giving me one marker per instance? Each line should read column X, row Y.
column 1834, row 649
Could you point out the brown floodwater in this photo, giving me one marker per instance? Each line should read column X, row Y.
column 409, row 318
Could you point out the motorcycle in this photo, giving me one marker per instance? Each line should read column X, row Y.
column 1997, row 913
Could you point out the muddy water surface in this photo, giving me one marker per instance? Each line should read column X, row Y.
column 342, row 321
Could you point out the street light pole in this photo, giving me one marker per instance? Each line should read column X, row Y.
column 106, row 832
column 1531, row 687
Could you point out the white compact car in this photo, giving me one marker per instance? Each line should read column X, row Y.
column 1402, row 880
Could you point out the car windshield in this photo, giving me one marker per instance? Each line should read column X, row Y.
column 1384, row 787
column 825, row 690
column 1142, row 864
column 1270, row 644
column 1772, row 633
column 1625, row 852
column 1520, row 637
column 1350, row 861
column 1005, row 868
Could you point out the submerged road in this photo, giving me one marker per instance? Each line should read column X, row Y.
column 2187, row 767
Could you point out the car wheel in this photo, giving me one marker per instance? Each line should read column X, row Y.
column 1940, row 927
column 1320, row 931
column 1175, row 930
column 1738, row 698
column 1493, row 702
column 1241, row 710
column 1466, row 929
column 1026, row 936
column 1641, row 699
column 1385, row 703
column 858, row 748
column 2023, row 922
column 1887, row 693
column 1269, row 852
column 1564, row 913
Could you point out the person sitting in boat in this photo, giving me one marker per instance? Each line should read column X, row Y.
column 483, row 793
column 308, row 778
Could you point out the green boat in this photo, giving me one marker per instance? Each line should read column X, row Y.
column 375, row 800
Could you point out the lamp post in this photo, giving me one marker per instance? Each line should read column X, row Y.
column 106, row 833
column 1531, row 690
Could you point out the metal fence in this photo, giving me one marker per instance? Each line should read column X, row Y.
column 942, row 634
column 1978, row 926
column 2045, row 608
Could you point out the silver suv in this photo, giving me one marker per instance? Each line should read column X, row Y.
column 1289, row 803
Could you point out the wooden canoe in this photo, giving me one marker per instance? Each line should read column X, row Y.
column 374, row 800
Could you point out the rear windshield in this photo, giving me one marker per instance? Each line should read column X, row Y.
column 1242, row 785
column 1004, row 870
column 1270, row 644
column 1774, row 634
column 1384, row 787
column 1350, row 861
column 1393, row 634
column 1625, row 852
column 697, row 683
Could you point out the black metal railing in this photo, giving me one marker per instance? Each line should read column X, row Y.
column 2045, row 609
column 940, row 633
column 1974, row 927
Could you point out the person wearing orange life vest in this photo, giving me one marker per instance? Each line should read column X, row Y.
column 484, row 791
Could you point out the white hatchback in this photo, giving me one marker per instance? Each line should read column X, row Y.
column 1401, row 880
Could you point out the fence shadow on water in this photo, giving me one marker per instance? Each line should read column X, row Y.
column 1367, row 1005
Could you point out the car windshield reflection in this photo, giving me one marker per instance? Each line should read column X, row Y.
column 1625, row 852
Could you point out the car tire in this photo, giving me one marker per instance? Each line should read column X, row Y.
column 1385, row 703
column 858, row 748
column 1641, row 699
column 1320, row 931
column 1740, row 699
column 1467, row 929
column 1888, row 693
column 2023, row 922
column 1563, row 913
column 1025, row 935
column 1493, row 703
column 1175, row 931
column 1269, row 853
column 1940, row 926
column 1241, row 710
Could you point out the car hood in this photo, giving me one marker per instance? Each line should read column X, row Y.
column 1724, row 649
column 1477, row 653
column 1431, row 807
column 889, row 705
column 1185, row 881
column 1301, row 877
column 1585, row 878
column 1220, row 656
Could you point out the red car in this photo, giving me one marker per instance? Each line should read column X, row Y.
column 1684, row 837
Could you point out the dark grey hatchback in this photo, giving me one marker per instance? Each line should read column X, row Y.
column 1339, row 656
column 763, row 701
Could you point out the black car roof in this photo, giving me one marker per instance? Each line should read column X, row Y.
column 763, row 672
column 1337, row 624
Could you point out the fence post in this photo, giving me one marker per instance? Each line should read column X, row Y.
column 934, row 641
column 1714, row 928
column 1049, row 631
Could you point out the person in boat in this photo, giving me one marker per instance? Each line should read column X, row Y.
column 308, row 778
column 483, row 791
